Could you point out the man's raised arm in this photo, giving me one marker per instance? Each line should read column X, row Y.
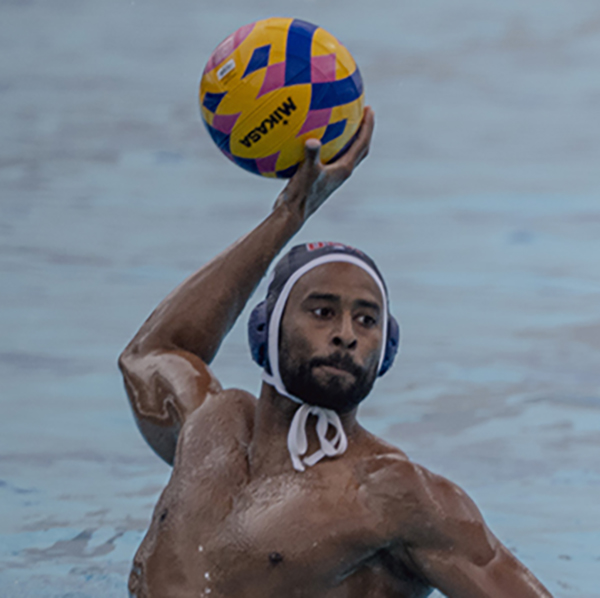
column 165, row 366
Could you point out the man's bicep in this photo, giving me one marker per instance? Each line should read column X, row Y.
column 164, row 388
column 459, row 555
column 458, row 576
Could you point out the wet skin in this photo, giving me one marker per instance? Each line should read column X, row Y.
column 236, row 520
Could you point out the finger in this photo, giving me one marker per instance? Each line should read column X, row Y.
column 312, row 151
column 312, row 160
column 310, row 166
column 360, row 148
column 367, row 125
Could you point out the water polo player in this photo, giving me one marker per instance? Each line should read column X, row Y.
column 288, row 495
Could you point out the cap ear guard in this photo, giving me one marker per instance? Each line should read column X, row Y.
column 391, row 345
column 258, row 334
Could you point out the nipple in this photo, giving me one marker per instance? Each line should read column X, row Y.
column 275, row 558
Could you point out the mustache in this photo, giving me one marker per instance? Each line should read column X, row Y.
column 342, row 361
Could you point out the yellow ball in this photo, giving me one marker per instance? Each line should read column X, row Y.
column 272, row 85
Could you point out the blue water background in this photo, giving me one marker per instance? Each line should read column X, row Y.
column 480, row 202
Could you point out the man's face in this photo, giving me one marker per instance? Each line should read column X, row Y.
column 331, row 336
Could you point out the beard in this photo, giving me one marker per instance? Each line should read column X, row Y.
column 335, row 392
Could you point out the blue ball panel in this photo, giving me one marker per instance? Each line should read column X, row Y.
column 212, row 100
column 333, row 131
column 345, row 148
column 259, row 59
column 337, row 93
column 221, row 139
column 297, row 53
column 247, row 164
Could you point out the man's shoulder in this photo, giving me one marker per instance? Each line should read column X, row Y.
column 412, row 498
column 383, row 463
column 388, row 472
column 392, row 472
column 230, row 402
column 386, row 464
column 225, row 414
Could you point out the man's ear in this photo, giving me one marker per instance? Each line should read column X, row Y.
column 258, row 335
column 392, row 344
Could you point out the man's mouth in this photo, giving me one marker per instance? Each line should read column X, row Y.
column 336, row 371
column 338, row 365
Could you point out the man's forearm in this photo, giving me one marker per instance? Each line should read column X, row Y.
column 198, row 314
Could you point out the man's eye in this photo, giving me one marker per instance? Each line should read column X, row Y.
column 367, row 321
column 323, row 312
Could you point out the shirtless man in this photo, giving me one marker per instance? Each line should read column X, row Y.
column 269, row 499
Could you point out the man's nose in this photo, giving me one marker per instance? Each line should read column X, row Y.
column 344, row 336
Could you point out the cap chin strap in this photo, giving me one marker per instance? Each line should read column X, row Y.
column 297, row 441
column 298, row 444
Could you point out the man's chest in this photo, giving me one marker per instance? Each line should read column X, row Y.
column 300, row 528
column 293, row 514
column 217, row 528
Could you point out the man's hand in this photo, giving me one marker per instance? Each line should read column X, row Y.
column 314, row 182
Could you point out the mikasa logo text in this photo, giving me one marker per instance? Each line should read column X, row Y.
column 276, row 117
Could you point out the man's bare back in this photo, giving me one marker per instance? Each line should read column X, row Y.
column 237, row 519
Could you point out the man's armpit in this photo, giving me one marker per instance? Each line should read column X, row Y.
column 224, row 422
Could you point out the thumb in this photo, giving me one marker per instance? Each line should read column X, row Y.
column 312, row 151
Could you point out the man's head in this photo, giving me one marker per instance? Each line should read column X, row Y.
column 324, row 333
column 331, row 335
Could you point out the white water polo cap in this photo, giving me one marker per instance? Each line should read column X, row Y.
column 263, row 335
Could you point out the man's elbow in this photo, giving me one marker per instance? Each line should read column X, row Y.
column 128, row 355
column 160, row 428
column 122, row 362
